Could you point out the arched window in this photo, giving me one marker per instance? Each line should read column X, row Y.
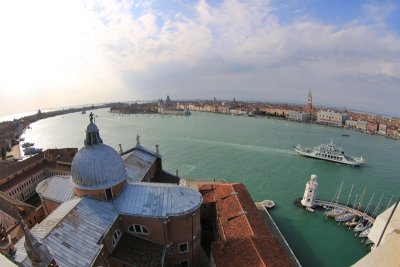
column 138, row 229
column 116, row 236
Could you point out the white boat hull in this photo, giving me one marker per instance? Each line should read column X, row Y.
column 342, row 159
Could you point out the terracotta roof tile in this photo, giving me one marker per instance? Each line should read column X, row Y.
column 245, row 239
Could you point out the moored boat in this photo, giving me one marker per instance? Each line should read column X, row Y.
column 310, row 209
column 344, row 217
column 334, row 212
column 365, row 232
column 360, row 226
column 329, row 152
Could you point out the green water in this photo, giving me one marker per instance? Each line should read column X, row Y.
column 257, row 152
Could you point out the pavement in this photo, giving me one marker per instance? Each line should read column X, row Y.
column 15, row 152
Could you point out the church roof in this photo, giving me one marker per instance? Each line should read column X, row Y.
column 138, row 163
column 57, row 188
column 73, row 231
column 157, row 200
column 96, row 166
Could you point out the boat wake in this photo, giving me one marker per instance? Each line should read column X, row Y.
column 241, row 146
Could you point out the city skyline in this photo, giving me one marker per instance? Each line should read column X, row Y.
column 73, row 53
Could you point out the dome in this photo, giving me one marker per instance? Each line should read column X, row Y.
column 97, row 167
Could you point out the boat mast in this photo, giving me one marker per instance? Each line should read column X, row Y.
column 390, row 200
column 351, row 190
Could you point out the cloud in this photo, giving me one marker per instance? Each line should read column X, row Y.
column 230, row 48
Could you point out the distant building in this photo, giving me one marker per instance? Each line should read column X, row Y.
column 170, row 107
column 331, row 117
column 362, row 125
column 351, row 124
column 382, row 129
column 372, row 127
column 298, row 116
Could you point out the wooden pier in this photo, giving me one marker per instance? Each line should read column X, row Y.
column 320, row 203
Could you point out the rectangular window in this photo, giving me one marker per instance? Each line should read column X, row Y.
column 109, row 195
column 137, row 228
column 183, row 248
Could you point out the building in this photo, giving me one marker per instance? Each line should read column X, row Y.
column 382, row 129
column 372, row 127
column 332, row 118
column 170, row 107
column 242, row 237
column 309, row 107
column 310, row 192
column 116, row 219
column 351, row 124
column 19, row 179
column 298, row 116
column 362, row 125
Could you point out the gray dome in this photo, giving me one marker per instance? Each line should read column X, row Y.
column 97, row 167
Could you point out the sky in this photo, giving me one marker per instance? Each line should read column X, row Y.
column 63, row 53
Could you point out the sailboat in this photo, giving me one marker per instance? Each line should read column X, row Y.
column 351, row 223
column 346, row 215
column 362, row 223
column 366, row 231
column 336, row 211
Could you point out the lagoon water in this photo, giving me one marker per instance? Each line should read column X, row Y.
column 257, row 152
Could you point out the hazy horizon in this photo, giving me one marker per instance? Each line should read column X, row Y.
column 69, row 53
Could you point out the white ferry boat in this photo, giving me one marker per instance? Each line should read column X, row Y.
column 329, row 152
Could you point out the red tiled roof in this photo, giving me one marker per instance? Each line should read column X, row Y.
column 245, row 239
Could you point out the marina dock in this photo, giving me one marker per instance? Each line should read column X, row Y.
column 321, row 203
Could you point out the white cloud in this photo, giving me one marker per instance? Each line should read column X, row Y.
column 131, row 50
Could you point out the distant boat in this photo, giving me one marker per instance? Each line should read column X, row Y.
column 345, row 135
column 329, row 152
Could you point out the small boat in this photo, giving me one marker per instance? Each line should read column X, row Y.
column 310, row 209
column 352, row 223
column 369, row 241
column 335, row 212
column 344, row 217
column 345, row 135
column 360, row 226
column 269, row 204
column 365, row 232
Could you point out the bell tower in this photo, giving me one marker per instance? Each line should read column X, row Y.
column 310, row 192
column 309, row 107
